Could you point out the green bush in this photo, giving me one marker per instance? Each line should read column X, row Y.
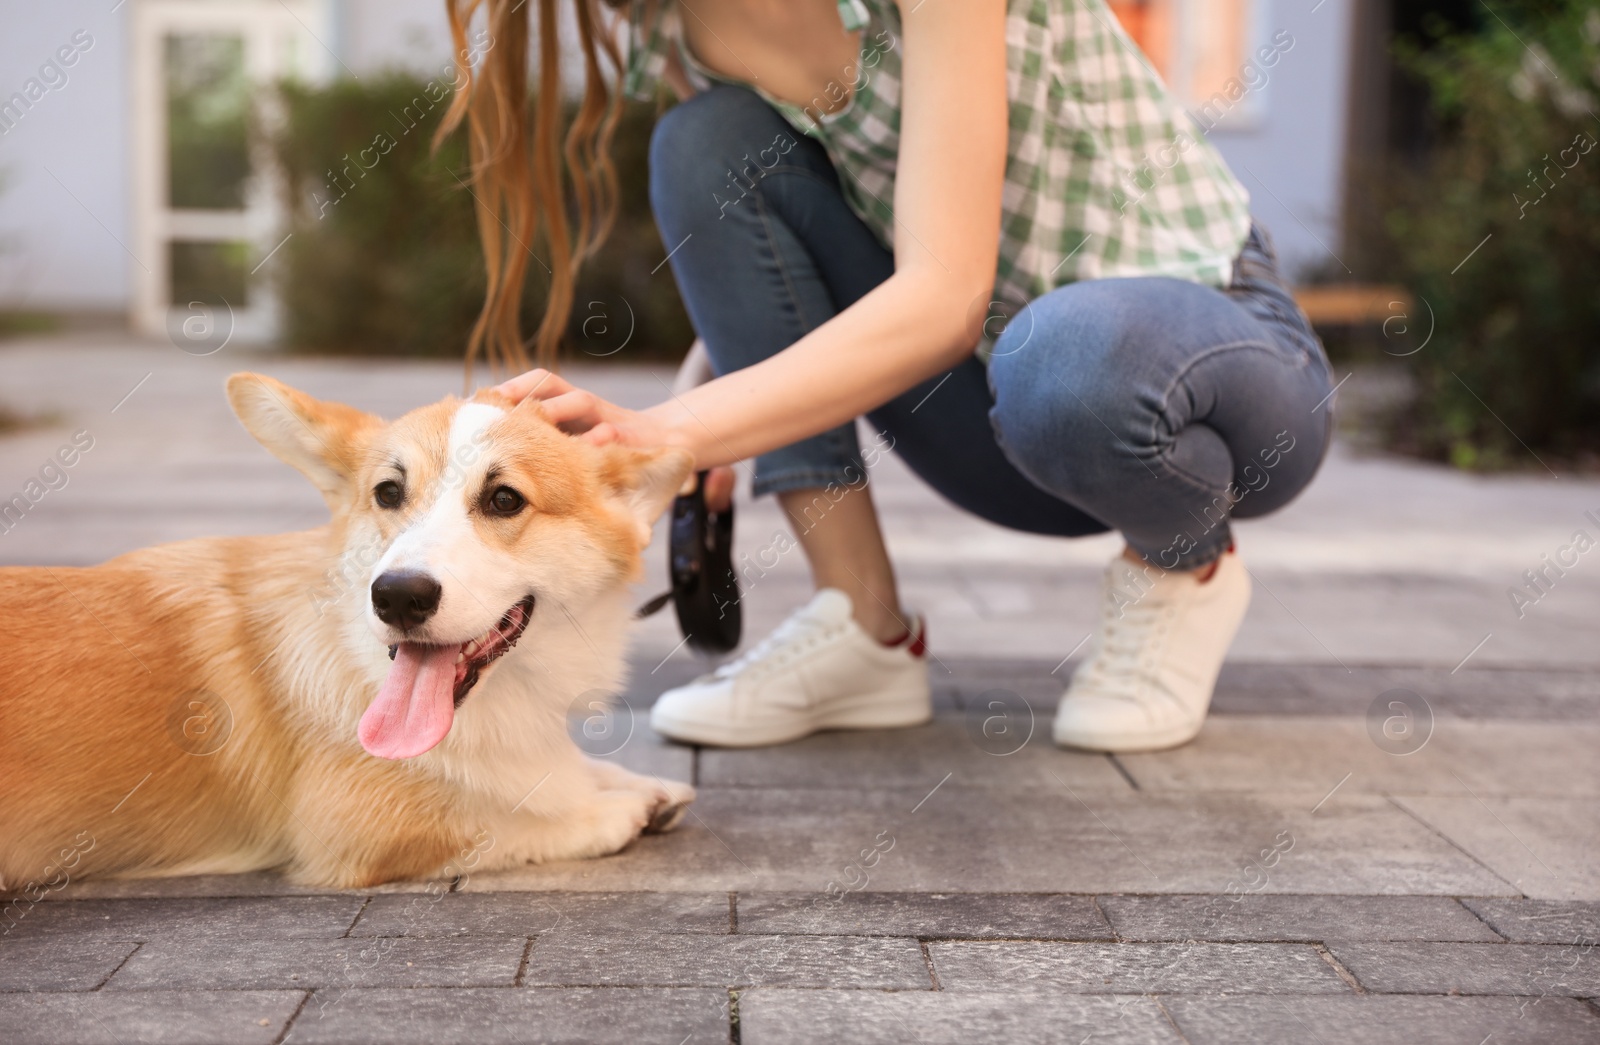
column 1514, row 363
column 384, row 257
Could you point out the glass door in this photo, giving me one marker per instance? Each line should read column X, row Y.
column 206, row 211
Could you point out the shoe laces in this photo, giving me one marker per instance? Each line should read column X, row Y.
column 797, row 634
column 1130, row 633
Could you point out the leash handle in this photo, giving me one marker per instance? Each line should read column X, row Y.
column 704, row 590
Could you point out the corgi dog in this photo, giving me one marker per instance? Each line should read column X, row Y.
column 353, row 704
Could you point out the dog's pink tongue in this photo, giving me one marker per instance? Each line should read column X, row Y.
column 414, row 709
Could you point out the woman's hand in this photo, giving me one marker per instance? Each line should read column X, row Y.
column 584, row 413
column 602, row 422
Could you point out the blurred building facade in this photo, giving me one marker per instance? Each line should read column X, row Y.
column 125, row 157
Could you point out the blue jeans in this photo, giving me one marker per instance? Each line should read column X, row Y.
column 1153, row 406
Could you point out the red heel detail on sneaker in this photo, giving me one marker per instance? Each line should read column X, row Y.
column 917, row 638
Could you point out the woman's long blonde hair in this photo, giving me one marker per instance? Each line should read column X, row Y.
column 520, row 186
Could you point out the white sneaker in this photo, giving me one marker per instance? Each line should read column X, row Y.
column 1147, row 681
column 818, row 670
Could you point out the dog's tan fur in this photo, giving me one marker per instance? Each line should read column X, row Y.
column 110, row 676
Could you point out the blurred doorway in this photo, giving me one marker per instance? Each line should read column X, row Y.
column 206, row 214
column 1392, row 124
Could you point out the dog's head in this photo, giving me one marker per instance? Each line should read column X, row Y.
column 477, row 513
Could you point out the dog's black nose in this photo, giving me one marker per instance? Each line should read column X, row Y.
column 404, row 598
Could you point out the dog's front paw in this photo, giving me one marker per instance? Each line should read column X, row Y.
column 614, row 821
column 627, row 814
column 608, row 821
column 671, row 803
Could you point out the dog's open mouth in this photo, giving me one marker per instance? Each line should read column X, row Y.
column 417, row 702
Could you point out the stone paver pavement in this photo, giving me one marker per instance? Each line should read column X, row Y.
column 1293, row 875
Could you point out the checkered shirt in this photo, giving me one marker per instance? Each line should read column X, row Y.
column 1106, row 175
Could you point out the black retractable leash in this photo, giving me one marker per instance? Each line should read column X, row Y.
column 705, row 591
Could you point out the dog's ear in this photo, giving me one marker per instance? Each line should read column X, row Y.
column 646, row 481
column 320, row 439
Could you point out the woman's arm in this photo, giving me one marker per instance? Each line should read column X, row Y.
column 922, row 320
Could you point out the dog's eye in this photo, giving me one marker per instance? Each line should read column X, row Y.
column 388, row 494
column 505, row 501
